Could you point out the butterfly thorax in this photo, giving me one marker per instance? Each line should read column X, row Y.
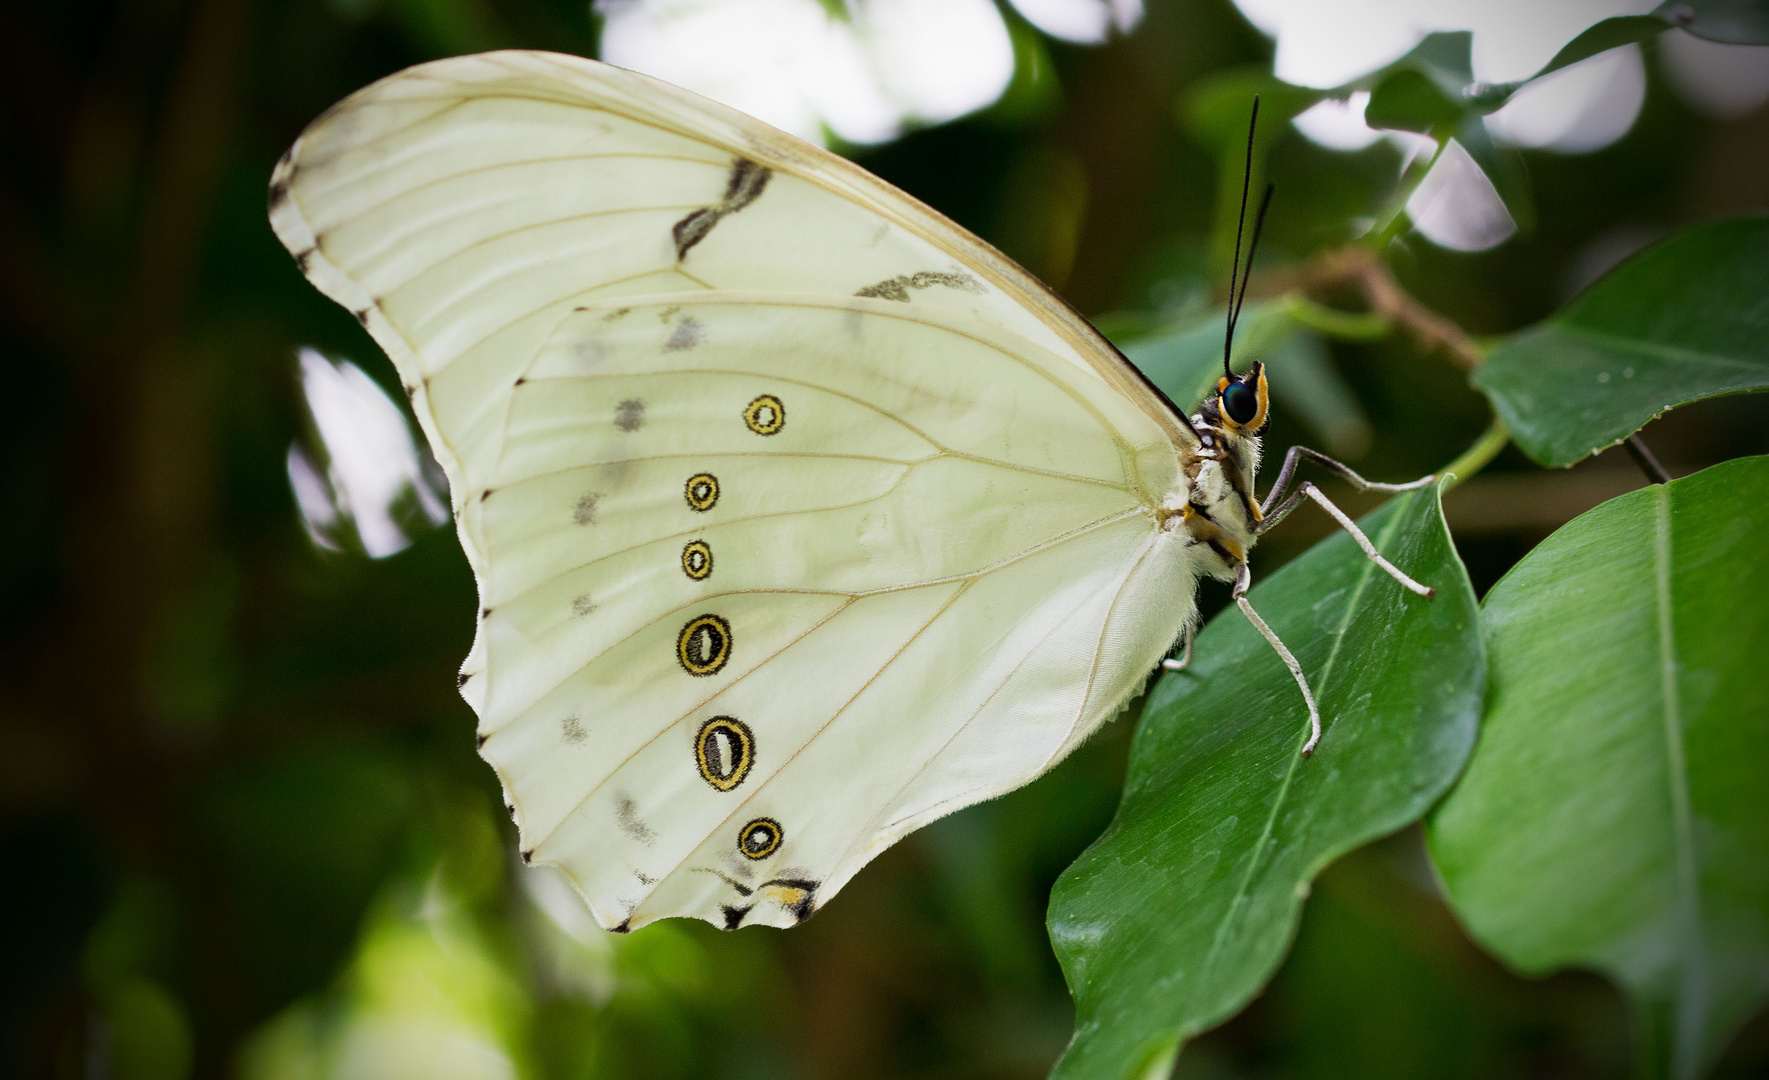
column 1220, row 513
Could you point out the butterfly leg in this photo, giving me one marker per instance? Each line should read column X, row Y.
column 1243, row 579
column 1274, row 511
column 1185, row 658
column 1294, row 457
column 1306, row 489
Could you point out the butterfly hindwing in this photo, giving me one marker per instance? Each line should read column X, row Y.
column 799, row 517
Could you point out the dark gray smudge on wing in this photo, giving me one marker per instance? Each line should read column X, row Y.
column 584, row 513
column 686, row 335
column 626, row 815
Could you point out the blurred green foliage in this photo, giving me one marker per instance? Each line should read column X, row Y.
column 245, row 830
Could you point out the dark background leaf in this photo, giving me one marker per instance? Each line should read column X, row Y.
column 1178, row 914
column 1424, row 90
column 1738, row 22
column 1186, row 362
column 1615, row 814
column 1685, row 320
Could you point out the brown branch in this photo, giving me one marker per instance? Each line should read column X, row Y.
column 1359, row 267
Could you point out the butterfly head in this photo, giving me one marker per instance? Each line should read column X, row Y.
column 1232, row 420
column 1242, row 403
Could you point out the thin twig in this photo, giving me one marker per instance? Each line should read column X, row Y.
column 1494, row 439
column 1644, row 458
column 1357, row 265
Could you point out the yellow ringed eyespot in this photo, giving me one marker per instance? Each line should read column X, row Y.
column 701, row 491
column 697, row 560
column 704, row 645
column 765, row 415
column 760, row 838
column 724, row 751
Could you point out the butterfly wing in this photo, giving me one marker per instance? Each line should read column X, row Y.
column 799, row 516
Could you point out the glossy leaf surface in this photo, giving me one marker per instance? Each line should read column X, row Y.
column 1181, row 911
column 1684, row 320
column 1615, row 814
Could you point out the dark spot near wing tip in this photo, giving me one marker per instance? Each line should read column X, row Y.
column 485, row 613
column 411, row 391
column 528, row 857
column 509, row 808
column 484, row 495
column 279, row 191
column 733, row 916
column 743, row 186
column 303, row 258
column 625, row 927
column 520, row 379
column 362, row 316
column 461, row 680
column 580, row 309
column 479, row 741
column 897, row 288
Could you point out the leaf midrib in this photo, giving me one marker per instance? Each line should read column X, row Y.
column 1658, row 349
column 1265, row 835
column 1692, row 996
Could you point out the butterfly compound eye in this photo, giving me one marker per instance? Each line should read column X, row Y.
column 1240, row 402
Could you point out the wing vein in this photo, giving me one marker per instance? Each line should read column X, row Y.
column 1079, row 712
column 661, row 732
column 452, row 303
column 745, row 801
column 516, row 164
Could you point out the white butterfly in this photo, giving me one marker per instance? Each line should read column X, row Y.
column 800, row 516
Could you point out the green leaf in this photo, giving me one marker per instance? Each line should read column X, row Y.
column 1425, row 89
column 1504, row 167
column 1601, row 37
column 1177, row 915
column 1740, row 22
column 1431, row 90
column 1684, row 320
column 1408, row 100
column 1216, row 112
column 1736, row 22
column 1305, row 384
column 1616, row 812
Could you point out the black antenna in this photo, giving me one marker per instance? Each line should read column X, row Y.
column 1237, row 297
column 1258, row 227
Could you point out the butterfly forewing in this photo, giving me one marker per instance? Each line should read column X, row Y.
column 799, row 517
